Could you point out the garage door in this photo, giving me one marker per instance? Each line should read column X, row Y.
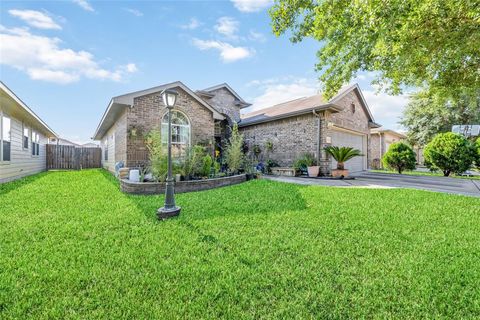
column 346, row 139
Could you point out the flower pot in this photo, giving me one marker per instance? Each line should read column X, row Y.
column 313, row 171
column 338, row 173
column 178, row 177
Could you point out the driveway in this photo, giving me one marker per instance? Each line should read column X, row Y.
column 386, row 180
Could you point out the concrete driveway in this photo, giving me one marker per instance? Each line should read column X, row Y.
column 467, row 187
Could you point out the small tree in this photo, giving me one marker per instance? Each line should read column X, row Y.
column 400, row 156
column 342, row 155
column 477, row 146
column 234, row 156
column 450, row 152
column 156, row 155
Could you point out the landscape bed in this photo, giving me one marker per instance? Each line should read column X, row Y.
column 75, row 246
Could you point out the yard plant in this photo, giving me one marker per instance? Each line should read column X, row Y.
column 74, row 247
column 342, row 155
column 450, row 152
column 400, row 156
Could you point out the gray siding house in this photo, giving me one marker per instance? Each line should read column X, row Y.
column 23, row 136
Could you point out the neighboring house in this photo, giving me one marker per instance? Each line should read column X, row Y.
column 381, row 139
column 89, row 145
column 63, row 142
column 23, row 136
column 308, row 125
column 200, row 117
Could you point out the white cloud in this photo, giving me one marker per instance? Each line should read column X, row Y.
column 257, row 36
column 84, row 4
column 228, row 53
column 227, row 26
column 386, row 109
column 251, row 5
column 42, row 59
column 192, row 25
column 35, row 19
column 135, row 12
column 277, row 90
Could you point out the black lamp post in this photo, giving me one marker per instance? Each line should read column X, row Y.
column 169, row 209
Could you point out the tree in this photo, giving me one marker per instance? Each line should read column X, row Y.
column 477, row 146
column 399, row 157
column 413, row 43
column 157, row 155
column 430, row 113
column 450, row 152
column 234, row 156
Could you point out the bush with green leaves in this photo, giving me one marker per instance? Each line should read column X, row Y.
column 234, row 156
column 193, row 163
column 207, row 165
column 306, row 160
column 450, row 152
column 342, row 155
column 157, row 155
column 477, row 146
column 400, row 156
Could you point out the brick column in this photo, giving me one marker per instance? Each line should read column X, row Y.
column 324, row 160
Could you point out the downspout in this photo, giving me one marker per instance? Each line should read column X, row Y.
column 318, row 135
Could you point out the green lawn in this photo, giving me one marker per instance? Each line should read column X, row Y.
column 428, row 174
column 73, row 246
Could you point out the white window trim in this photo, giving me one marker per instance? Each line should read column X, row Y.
column 5, row 162
column 35, row 155
column 189, row 126
column 24, row 126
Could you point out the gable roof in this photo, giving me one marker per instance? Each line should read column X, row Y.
column 304, row 105
column 119, row 103
column 16, row 107
column 225, row 85
column 385, row 130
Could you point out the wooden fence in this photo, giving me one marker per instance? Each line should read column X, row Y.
column 71, row 157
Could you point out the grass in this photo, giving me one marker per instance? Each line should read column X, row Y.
column 74, row 247
column 427, row 174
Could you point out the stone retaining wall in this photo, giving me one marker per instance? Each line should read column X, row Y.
column 181, row 186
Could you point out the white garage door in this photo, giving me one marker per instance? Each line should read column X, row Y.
column 345, row 139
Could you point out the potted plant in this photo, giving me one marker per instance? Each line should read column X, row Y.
column 342, row 155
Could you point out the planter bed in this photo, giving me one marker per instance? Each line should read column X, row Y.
column 329, row 178
column 128, row 186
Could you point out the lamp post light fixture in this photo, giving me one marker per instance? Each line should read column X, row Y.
column 169, row 209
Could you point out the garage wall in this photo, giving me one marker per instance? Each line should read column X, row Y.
column 349, row 139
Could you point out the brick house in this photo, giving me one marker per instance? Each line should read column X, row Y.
column 204, row 116
column 308, row 125
column 380, row 141
column 200, row 117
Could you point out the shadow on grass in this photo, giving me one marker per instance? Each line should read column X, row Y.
column 253, row 197
column 22, row 182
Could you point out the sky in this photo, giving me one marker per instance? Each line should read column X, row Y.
column 67, row 59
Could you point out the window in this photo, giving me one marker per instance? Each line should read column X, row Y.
column 35, row 143
column 25, row 137
column 5, row 138
column 180, row 131
column 106, row 150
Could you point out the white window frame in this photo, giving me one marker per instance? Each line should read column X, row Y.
column 35, row 144
column 3, row 114
column 189, row 126
column 105, row 151
column 29, row 137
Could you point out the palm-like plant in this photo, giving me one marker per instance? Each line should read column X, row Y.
column 342, row 155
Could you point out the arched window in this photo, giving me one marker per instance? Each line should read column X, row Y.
column 180, row 131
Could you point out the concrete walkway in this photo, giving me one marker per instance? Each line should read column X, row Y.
column 467, row 187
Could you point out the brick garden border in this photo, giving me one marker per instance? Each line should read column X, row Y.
column 128, row 186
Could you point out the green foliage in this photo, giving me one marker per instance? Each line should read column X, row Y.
column 477, row 159
column 73, row 246
column 400, row 156
column 256, row 150
column 234, row 156
column 207, row 165
column 342, row 154
column 269, row 164
column 432, row 42
column 193, row 162
column 450, row 152
column 306, row 160
column 157, row 155
column 428, row 114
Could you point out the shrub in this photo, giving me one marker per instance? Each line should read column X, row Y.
column 234, row 156
column 157, row 155
column 269, row 164
column 193, row 164
column 342, row 155
column 207, row 165
column 400, row 156
column 450, row 152
column 306, row 160
column 477, row 146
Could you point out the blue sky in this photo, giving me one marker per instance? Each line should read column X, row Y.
column 66, row 59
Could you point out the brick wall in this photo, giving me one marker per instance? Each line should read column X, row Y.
column 147, row 113
column 224, row 102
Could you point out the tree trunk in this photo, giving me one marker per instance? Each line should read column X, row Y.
column 340, row 166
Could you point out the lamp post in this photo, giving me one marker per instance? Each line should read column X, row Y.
column 169, row 209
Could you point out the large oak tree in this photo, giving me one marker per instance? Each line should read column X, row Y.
column 432, row 43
